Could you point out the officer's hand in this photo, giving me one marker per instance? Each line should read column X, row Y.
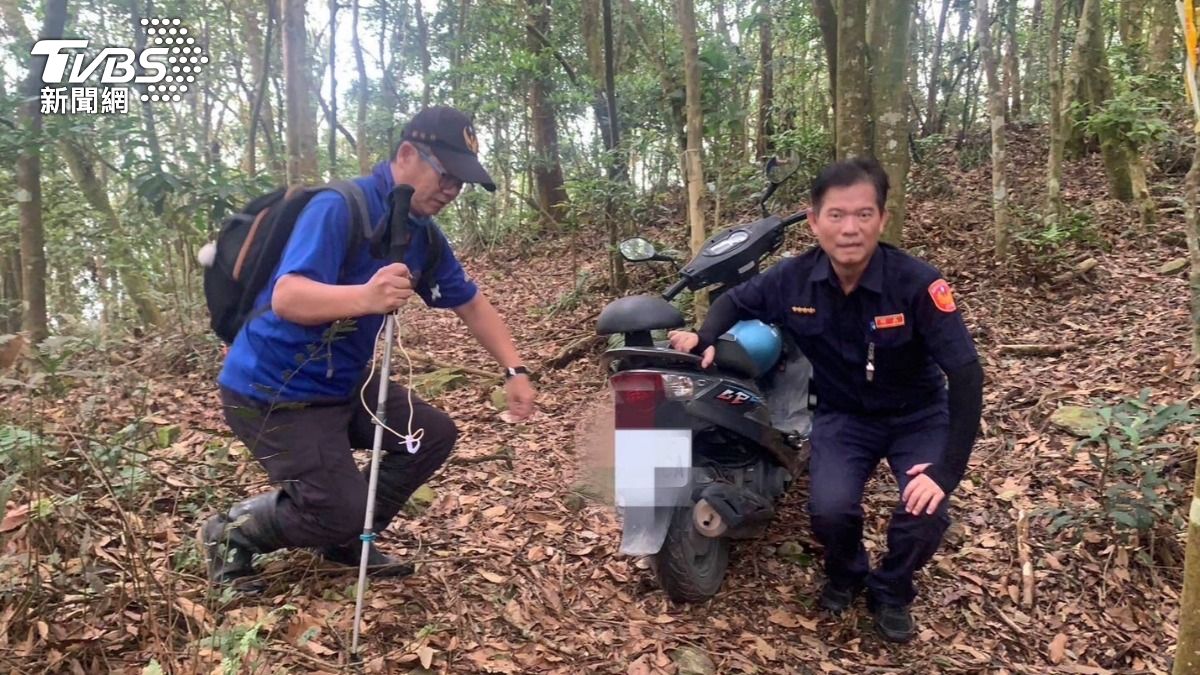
column 922, row 495
column 683, row 341
column 519, row 394
column 387, row 290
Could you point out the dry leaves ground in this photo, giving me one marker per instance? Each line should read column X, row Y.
column 519, row 571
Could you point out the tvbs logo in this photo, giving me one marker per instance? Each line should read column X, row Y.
column 170, row 61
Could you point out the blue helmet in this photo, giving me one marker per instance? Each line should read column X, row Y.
column 762, row 342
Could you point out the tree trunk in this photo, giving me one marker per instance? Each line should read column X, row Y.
column 1163, row 20
column 363, row 150
column 547, row 169
column 28, row 170
column 766, row 90
column 332, row 119
column 423, row 51
column 1130, row 21
column 852, row 108
column 1031, row 92
column 1113, row 148
column 1187, row 652
column 695, row 126
column 83, row 171
column 301, row 130
column 1012, row 67
column 667, row 81
column 890, row 89
column 258, row 50
column 1071, row 77
column 10, row 287
column 593, row 42
column 827, row 20
column 996, row 111
column 935, row 76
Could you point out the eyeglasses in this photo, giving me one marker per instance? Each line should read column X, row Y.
column 446, row 182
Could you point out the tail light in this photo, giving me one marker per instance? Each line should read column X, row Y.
column 638, row 395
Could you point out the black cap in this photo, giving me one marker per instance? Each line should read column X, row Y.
column 450, row 136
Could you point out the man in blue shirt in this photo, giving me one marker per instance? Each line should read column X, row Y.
column 880, row 328
column 296, row 377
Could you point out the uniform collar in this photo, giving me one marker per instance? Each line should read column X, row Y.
column 872, row 278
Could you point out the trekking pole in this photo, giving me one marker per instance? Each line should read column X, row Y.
column 401, row 195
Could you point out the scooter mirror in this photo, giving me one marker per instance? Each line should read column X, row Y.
column 637, row 249
column 779, row 169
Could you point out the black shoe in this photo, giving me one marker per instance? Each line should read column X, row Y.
column 894, row 622
column 379, row 564
column 229, row 541
column 837, row 600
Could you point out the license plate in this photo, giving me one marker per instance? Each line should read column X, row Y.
column 653, row 466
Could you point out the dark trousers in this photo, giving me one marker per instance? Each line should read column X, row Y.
column 306, row 449
column 845, row 450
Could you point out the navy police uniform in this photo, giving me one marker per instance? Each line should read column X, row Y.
column 878, row 356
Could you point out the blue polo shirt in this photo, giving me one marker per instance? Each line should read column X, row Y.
column 902, row 314
column 272, row 360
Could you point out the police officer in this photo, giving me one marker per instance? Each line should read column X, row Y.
column 880, row 328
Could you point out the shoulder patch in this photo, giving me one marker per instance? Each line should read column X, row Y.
column 943, row 299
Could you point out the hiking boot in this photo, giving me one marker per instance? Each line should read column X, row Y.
column 835, row 599
column 379, row 564
column 229, row 541
column 894, row 622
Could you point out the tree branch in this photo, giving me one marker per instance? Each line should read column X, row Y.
column 553, row 50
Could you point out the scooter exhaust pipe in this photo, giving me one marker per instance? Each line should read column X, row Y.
column 708, row 522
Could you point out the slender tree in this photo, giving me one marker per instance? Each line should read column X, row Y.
column 983, row 24
column 29, row 169
column 301, row 129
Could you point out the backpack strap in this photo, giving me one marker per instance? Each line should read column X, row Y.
column 360, row 218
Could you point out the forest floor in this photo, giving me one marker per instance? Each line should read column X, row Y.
column 124, row 450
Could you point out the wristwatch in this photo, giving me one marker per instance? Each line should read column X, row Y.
column 510, row 373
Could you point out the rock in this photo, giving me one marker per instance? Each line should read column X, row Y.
column 420, row 500
column 691, row 661
column 794, row 553
column 1077, row 421
column 1173, row 266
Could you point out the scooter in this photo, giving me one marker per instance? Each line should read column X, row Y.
column 702, row 456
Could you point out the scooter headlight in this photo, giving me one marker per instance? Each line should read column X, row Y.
column 679, row 387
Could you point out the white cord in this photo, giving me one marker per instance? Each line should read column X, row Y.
column 412, row 441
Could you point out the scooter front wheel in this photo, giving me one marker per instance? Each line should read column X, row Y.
column 691, row 566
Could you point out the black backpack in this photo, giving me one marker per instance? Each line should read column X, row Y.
column 251, row 243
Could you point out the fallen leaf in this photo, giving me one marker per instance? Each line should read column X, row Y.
column 1058, row 647
column 194, row 610
column 492, row 577
column 426, row 655
column 495, row 511
column 14, row 518
column 783, row 618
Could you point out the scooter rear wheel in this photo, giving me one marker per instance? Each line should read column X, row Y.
column 691, row 566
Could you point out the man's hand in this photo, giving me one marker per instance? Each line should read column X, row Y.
column 922, row 495
column 519, row 393
column 684, row 341
column 388, row 289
